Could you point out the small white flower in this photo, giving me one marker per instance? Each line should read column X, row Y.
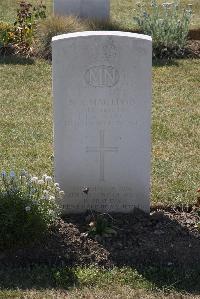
column 56, row 185
column 45, row 192
column 61, row 193
column 27, row 209
column 48, row 179
column 57, row 189
column 167, row 4
column 52, row 198
column 40, row 182
column 3, row 174
column 12, row 174
column 34, row 179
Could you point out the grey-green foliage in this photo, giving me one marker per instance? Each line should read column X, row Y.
column 167, row 23
column 28, row 207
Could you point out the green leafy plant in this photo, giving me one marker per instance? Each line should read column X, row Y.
column 6, row 38
column 168, row 25
column 28, row 207
column 101, row 226
column 20, row 37
column 26, row 24
column 5, row 27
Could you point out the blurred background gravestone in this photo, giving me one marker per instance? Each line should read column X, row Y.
column 92, row 9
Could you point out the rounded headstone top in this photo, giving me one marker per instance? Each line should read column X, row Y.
column 102, row 33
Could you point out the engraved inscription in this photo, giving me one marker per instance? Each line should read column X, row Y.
column 101, row 197
column 101, row 150
column 101, row 112
column 102, row 76
column 100, row 206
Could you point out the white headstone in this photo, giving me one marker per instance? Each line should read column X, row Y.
column 102, row 120
column 94, row 9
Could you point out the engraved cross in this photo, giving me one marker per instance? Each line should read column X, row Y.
column 102, row 149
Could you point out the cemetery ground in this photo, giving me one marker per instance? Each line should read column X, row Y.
column 154, row 256
column 160, row 252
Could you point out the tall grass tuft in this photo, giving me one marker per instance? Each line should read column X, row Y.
column 108, row 25
column 53, row 26
column 56, row 25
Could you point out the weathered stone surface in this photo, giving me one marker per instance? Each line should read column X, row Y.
column 102, row 120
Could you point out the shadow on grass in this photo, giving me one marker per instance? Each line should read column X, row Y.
column 165, row 62
column 162, row 250
column 172, row 278
column 37, row 277
column 171, row 61
column 158, row 251
column 16, row 60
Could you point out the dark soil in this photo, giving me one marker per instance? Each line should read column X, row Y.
column 167, row 237
column 193, row 48
column 194, row 34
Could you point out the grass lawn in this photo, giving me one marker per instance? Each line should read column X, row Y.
column 26, row 143
column 26, row 124
column 93, row 283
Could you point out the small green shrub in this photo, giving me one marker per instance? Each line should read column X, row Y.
column 5, row 26
column 168, row 25
column 28, row 207
column 20, row 37
column 6, row 38
column 101, row 226
column 53, row 26
column 26, row 23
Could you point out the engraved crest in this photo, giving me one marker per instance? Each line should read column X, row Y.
column 102, row 76
column 110, row 50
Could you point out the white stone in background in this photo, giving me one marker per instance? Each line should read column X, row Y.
column 102, row 120
column 94, row 9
